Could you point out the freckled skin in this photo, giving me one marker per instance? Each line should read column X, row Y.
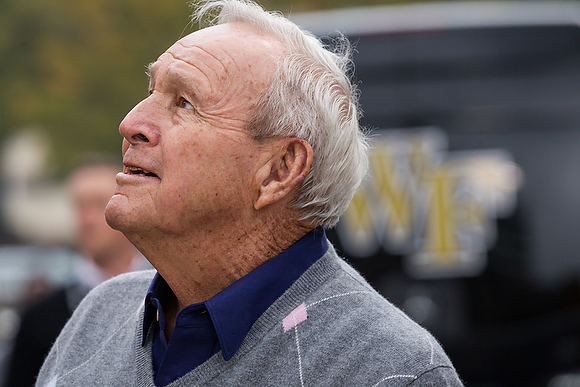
column 199, row 213
column 202, row 151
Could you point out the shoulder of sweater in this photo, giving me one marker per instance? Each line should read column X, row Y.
column 344, row 330
column 115, row 298
column 136, row 282
column 110, row 305
column 348, row 306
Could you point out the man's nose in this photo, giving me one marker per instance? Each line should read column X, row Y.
column 141, row 126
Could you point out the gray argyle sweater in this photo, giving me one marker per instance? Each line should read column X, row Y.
column 330, row 328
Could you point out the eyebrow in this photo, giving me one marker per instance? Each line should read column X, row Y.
column 173, row 77
column 151, row 68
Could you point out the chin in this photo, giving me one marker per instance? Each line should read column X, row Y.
column 128, row 219
column 115, row 214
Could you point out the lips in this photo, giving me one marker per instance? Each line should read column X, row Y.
column 130, row 170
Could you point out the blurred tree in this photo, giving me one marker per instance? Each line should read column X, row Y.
column 75, row 68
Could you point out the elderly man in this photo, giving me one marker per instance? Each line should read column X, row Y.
column 246, row 148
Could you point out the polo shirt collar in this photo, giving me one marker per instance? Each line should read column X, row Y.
column 234, row 310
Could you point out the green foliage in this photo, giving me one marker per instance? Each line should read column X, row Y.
column 75, row 68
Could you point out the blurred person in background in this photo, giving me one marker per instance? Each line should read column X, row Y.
column 105, row 254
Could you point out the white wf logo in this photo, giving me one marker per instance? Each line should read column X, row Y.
column 437, row 208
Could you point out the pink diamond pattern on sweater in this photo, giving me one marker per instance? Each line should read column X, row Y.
column 295, row 317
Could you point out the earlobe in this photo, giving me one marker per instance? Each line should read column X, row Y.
column 287, row 169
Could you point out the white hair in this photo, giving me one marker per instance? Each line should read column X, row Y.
column 312, row 98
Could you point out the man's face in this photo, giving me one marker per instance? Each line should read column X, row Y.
column 91, row 189
column 188, row 158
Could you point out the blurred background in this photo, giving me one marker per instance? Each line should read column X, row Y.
column 470, row 217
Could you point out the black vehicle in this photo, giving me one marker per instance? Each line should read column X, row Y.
column 470, row 220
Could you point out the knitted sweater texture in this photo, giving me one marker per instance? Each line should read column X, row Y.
column 329, row 329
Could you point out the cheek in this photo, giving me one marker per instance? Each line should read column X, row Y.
column 210, row 172
column 205, row 186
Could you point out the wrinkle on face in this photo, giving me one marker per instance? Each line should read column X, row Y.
column 207, row 52
column 208, row 100
column 222, row 71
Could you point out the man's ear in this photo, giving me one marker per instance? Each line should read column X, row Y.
column 285, row 171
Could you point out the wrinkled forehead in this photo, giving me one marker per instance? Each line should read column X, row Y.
column 232, row 49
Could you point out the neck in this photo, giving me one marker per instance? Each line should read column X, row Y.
column 208, row 260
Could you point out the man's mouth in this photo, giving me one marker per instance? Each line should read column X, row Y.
column 138, row 171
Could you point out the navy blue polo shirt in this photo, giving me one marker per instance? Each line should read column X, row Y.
column 222, row 322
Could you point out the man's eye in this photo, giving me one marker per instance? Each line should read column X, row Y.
column 185, row 104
